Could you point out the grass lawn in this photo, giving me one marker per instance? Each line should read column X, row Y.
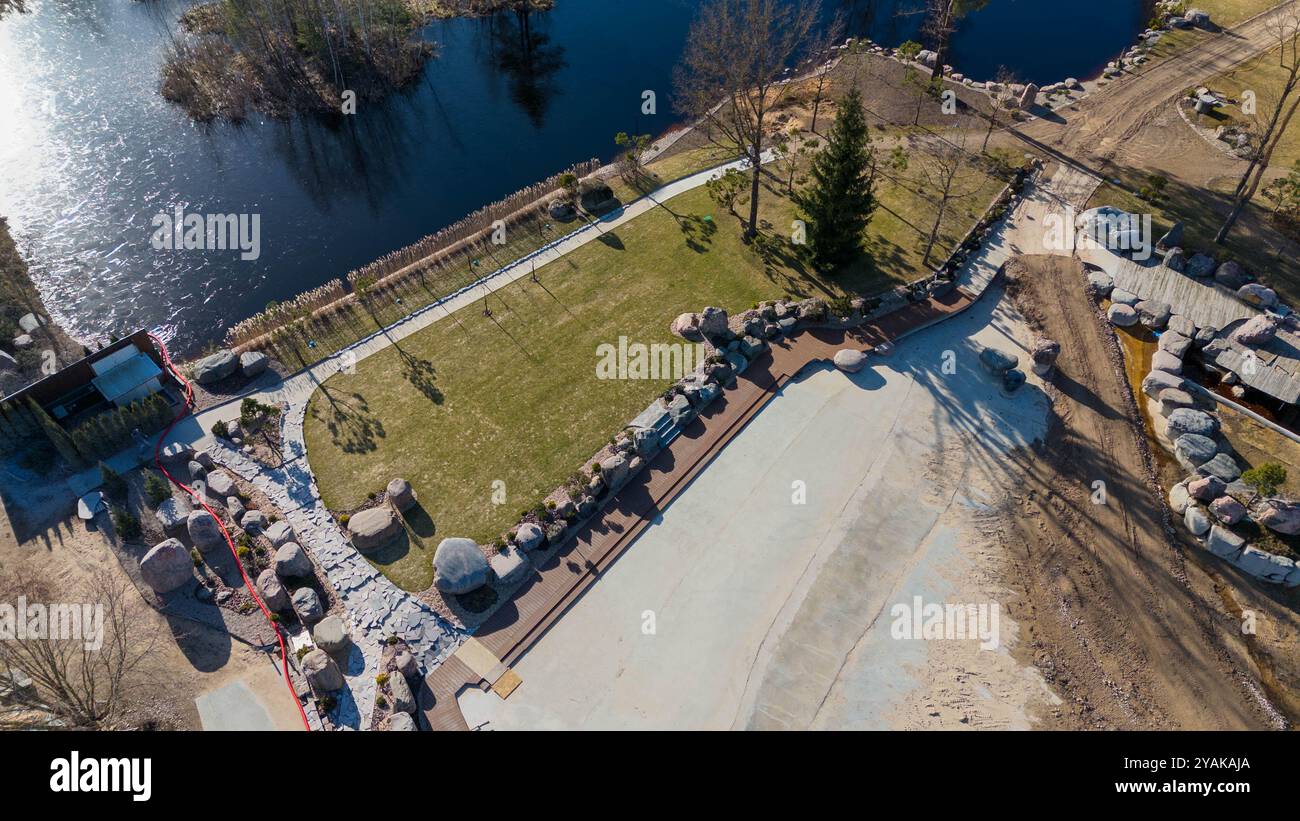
column 514, row 398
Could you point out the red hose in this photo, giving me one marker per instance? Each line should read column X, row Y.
column 252, row 589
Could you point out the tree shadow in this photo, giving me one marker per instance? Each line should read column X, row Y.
column 353, row 428
column 420, row 373
column 698, row 232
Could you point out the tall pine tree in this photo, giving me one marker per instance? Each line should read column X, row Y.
column 838, row 202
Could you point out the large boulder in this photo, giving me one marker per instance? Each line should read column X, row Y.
column 1175, row 343
column 308, row 605
column 1153, row 314
column 1258, row 330
column 561, row 209
column 1231, row 275
column 400, row 693
column 1222, row 466
column 596, row 196
column 253, row 521
column 399, row 722
column 1121, row 315
column 331, row 635
column 529, row 536
column 279, row 533
column 1280, row 516
column 459, row 566
column 1187, row 420
column 323, row 675
column 401, row 494
column 1179, row 498
column 1176, row 260
column 850, row 360
column 1044, row 354
column 252, row 363
column 1172, row 240
column 1100, row 284
column 1123, row 297
column 1167, row 362
column 220, row 485
column 713, row 323
column 205, row 532
column 1207, row 488
column 613, row 469
column 1183, row 325
column 167, row 566
column 292, row 562
column 373, row 528
column 1255, row 294
column 1224, row 543
column 1171, row 399
column 1265, row 566
column 1028, row 97
column 216, row 367
column 1157, row 381
column 998, row 362
column 1196, row 520
column 1194, row 450
column 687, row 326
column 273, row 594
column 510, row 565
column 171, row 514
column 680, row 410
column 1227, row 510
column 1200, row 265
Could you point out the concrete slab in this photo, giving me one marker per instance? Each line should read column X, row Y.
column 233, row 707
column 757, row 598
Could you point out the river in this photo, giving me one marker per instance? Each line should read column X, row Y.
column 90, row 153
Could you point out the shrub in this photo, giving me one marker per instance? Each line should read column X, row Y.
column 381, row 702
column 156, row 489
column 114, row 484
column 220, row 429
column 196, row 557
column 382, row 679
column 1265, row 479
column 344, row 519
column 125, row 523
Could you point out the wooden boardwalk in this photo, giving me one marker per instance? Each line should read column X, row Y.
column 559, row 582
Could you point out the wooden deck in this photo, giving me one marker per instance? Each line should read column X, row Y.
column 558, row 583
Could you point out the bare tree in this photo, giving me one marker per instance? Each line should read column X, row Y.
column 1005, row 77
column 941, row 165
column 1266, row 134
column 79, row 681
column 941, row 18
column 729, row 77
column 821, row 57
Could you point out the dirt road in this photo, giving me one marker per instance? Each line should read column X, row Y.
column 1091, row 132
column 1129, row 634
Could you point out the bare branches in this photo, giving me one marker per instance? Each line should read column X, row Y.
column 1266, row 134
column 81, row 657
column 730, row 77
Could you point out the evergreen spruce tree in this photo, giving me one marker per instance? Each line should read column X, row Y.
column 838, row 201
column 58, row 437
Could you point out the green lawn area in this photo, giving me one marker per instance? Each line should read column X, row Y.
column 514, row 398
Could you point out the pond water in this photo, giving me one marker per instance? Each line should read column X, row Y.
column 89, row 152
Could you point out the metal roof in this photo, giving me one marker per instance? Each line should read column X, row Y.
column 127, row 376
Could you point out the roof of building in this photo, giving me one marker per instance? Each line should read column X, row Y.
column 127, row 376
column 1276, row 369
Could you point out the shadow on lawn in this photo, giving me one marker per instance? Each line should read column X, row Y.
column 353, row 428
